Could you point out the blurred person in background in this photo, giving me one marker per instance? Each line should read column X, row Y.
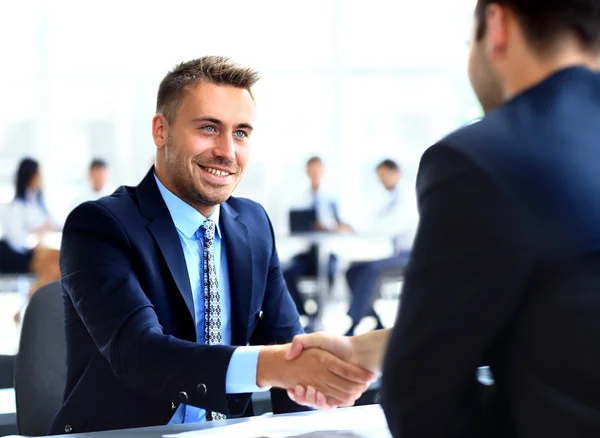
column 505, row 267
column 328, row 220
column 98, row 186
column 25, row 223
column 393, row 215
column 98, row 178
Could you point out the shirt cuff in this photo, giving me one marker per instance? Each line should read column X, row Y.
column 241, row 372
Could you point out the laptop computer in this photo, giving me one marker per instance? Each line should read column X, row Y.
column 302, row 221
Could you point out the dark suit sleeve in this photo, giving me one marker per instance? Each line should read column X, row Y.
column 470, row 261
column 96, row 264
column 280, row 322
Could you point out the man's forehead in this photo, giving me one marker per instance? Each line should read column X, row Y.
column 223, row 102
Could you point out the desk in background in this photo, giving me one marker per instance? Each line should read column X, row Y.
column 350, row 247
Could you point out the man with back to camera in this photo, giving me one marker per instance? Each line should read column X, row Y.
column 505, row 268
column 162, row 281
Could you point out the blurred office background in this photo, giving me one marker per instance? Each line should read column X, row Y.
column 351, row 81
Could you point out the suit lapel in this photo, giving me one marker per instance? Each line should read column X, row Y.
column 239, row 261
column 164, row 232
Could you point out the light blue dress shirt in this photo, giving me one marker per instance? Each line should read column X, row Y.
column 241, row 373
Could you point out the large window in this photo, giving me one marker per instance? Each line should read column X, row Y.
column 352, row 81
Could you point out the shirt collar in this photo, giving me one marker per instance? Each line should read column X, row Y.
column 185, row 217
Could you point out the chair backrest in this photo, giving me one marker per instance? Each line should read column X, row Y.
column 40, row 366
column 7, row 371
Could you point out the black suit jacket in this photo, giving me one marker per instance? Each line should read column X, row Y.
column 132, row 355
column 505, row 272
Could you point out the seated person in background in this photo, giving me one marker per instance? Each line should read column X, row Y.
column 328, row 219
column 27, row 215
column 394, row 216
column 162, row 282
column 98, row 187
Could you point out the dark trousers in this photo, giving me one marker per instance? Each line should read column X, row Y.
column 13, row 262
column 364, row 279
column 306, row 265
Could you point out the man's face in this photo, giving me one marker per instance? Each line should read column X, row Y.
column 315, row 173
column 484, row 79
column 388, row 177
column 98, row 176
column 207, row 145
column 36, row 181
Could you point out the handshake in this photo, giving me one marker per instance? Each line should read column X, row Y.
column 324, row 371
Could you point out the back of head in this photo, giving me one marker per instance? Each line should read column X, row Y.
column 218, row 70
column 546, row 22
column 519, row 43
column 28, row 169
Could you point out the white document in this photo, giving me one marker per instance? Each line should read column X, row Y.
column 341, row 423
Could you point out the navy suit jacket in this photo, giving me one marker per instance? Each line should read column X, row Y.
column 505, row 272
column 132, row 355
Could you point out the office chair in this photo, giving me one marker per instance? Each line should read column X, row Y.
column 40, row 366
column 7, row 371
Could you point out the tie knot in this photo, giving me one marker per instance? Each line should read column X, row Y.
column 208, row 228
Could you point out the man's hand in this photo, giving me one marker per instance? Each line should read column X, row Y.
column 344, row 228
column 365, row 351
column 340, row 346
column 337, row 383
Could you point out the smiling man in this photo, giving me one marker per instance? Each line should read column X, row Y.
column 172, row 287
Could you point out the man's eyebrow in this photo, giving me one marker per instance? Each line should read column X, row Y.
column 246, row 126
column 219, row 122
column 207, row 119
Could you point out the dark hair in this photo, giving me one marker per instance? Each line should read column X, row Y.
column 27, row 170
column 98, row 163
column 389, row 164
column 218, row 70
column 313, row 160
column 544, row 22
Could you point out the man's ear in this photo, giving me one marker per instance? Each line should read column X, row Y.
column 497, row 31
column 160, row 130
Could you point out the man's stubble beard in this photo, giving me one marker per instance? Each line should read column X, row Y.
column 184, row 182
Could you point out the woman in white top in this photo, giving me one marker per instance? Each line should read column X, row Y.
column 27, row 215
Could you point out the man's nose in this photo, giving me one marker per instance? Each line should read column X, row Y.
column 225, row 147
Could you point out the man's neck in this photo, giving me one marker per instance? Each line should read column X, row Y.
column 536, row 70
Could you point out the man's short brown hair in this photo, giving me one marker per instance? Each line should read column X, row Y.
column 218, row 70
column 546, row 21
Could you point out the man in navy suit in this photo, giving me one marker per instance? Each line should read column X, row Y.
column 162, row 282
column 505, row 267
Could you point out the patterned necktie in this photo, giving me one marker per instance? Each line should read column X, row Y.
column 212, row 298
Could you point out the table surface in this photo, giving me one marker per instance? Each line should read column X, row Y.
column 359, row 413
